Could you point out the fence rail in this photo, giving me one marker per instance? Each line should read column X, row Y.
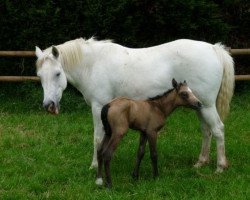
column 233, row 52
column 17, row 53
column 18, row 78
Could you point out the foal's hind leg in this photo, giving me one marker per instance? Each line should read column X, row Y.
column 216, row 126
column 108, row 152
column 105, row 141
column 206, row 141
column 140, row 154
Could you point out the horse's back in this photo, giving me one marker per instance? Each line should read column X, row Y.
column 147, row 72
column 196, row 62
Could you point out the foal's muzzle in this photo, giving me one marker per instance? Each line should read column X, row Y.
column 51, row 107
column 198, row 105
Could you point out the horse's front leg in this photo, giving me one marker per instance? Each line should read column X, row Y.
column 98, row 132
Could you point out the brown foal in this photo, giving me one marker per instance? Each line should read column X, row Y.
column 147, row 116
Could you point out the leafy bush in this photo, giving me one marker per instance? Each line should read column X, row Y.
column 134, row 23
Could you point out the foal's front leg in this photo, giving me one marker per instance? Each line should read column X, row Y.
column 152, row 139
column 140, row 154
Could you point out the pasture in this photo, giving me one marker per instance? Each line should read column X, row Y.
column 48, row 157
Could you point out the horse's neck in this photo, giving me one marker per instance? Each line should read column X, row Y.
column 167, row 103
column 78, row 73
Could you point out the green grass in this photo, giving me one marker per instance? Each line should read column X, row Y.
column 48, row 157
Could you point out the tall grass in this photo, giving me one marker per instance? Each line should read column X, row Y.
column 48, row 157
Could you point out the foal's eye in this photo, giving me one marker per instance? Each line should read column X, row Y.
column 184, row 95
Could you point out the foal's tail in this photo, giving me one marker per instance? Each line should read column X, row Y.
column 105, row 122
column 227, row 84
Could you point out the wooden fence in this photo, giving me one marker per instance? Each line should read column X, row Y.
column 35, row 78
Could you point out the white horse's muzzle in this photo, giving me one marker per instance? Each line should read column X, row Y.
column 51, row 107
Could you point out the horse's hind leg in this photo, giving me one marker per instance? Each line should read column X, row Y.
column 140, row 154
column 206, row 141
column 216, row 127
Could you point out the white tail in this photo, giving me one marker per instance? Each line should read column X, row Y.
column 227, row 85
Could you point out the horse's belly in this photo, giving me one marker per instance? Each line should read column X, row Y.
column 147, row 73
column 204, row 80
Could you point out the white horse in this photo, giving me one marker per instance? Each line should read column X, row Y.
column 102, row 70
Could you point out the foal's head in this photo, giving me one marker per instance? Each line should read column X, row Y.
column 185, row 96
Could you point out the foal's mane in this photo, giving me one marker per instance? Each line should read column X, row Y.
column 161, row 95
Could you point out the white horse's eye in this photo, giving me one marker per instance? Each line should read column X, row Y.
column 58, row 74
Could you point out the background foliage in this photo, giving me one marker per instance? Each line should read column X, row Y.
column 134, row 23
column 47, row 157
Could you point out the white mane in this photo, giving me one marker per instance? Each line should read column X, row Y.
column 71, row 52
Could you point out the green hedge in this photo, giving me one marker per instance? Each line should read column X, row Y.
column 134, row 23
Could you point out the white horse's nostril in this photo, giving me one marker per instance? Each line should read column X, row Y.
column 48, row 104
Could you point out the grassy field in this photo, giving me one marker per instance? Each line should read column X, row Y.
column 48, row 157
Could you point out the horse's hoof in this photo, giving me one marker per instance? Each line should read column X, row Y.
column 99, row 182
column 219, row 170
column 199, row 164
column 93, row 166
column 221, row 167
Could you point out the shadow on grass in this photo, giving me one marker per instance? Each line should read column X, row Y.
column 27, row 97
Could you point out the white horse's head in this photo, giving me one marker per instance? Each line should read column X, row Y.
column 53, row 78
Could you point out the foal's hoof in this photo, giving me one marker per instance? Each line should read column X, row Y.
column 135, row 176
column 155, row 176
column 108, row 185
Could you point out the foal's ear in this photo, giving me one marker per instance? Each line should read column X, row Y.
column 55, row 52
column 174, row 83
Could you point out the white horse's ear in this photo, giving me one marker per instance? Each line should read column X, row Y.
column 39, row 53
column 55, row 52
